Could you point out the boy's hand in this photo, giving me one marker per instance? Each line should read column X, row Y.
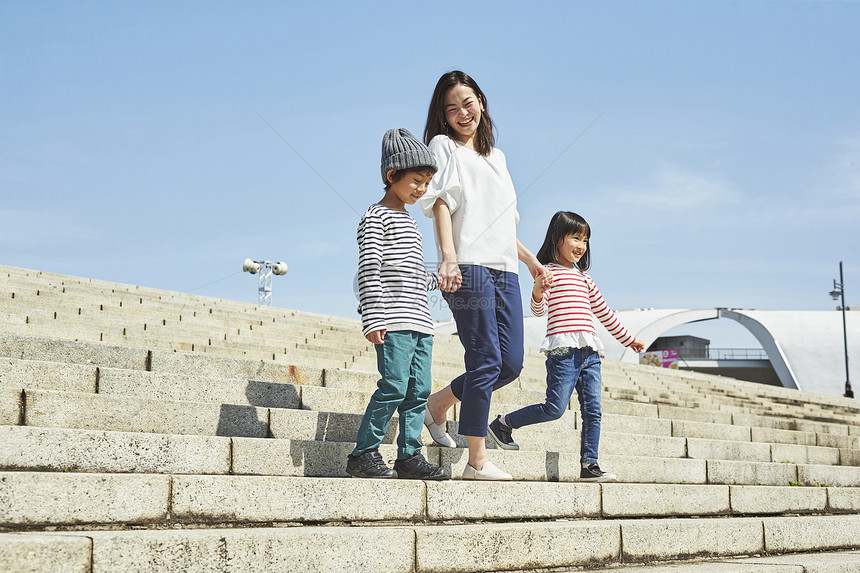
column 376, row 337
column 450, row 278
column 637, row 345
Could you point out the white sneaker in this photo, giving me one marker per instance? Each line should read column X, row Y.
column 437, row 431
column 487, row 473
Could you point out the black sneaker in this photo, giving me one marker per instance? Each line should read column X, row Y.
column 501, row 434
column 416, row 467
column 368, row 465
column 593, row 473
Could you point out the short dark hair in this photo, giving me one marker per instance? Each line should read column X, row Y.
column 401, row 173
column 484, row 138
column 561, row 225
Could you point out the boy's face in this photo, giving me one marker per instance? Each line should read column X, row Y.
column 411, row 187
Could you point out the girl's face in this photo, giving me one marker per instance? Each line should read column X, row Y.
column 463, row 112
column 572, row 248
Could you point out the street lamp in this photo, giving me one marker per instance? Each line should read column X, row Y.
column 265, row 269
column 837, row 292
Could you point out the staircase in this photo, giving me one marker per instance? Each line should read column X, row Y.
column 147, row 430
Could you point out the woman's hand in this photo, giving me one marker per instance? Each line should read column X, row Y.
column 537, row 291
column 376, row 337
column 545, row 277
column 637, row 345
column 450, row 278
column 535, row 267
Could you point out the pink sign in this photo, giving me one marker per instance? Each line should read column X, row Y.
column 661, row 358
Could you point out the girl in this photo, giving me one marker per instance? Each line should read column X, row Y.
column 473, row 202
column 572, row 347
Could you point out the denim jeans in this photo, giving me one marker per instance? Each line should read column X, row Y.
column 568, row 370
column 488, row 310
column 403, row 360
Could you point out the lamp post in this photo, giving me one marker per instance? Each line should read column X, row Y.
column 265, row 269
column 837, row 292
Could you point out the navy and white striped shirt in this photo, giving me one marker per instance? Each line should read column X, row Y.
column 392, row 279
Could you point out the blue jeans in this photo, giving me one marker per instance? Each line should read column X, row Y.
column 488, row 310
column 574, row 369
column 403, row 360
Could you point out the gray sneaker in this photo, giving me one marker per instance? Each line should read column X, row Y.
column 416, row 467
column 501, row 434
column 368, row 465
column 593, row 473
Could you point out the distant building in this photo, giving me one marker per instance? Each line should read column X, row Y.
column 799, row 348
column 687, row 346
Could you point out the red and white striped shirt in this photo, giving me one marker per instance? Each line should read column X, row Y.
column 571, row 302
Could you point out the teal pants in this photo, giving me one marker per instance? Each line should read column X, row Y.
column 403, row 360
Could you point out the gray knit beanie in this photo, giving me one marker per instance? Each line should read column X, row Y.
column 401, row 150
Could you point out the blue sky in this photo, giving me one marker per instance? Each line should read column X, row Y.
column 713, row 145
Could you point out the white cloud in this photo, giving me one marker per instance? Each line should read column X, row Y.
column 672, row 187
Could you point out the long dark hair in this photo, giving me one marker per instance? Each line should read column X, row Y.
column 484, row 138
column 561, row 225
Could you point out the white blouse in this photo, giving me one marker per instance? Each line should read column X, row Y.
column 483, row 203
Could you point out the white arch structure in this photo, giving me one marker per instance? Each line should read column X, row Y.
column 805, row 348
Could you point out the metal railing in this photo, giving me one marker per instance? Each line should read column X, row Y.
column 723, row 354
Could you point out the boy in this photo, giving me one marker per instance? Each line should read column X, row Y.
column 392, row 285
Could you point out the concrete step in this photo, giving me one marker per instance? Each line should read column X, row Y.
column 235, row 407
column 817, row 562
column 326, row 459
column 418, row 548
column 54, row 449
column 62, row 449
column 40, row 499
column 39, row 374
column 222, row 367
column 174, row 387
column 788, row 424
column 71, row 352
column 50, row 409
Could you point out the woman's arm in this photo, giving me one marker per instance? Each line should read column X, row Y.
column 449, row 272
column 534, row 266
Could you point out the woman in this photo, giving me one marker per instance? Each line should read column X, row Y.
column 473, row 202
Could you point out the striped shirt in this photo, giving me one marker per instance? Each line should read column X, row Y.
column 570, row 303
column 392, row 279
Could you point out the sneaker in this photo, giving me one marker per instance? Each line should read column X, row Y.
column 593, row 473
column 368, row 465
column 501, row 434
column 437, row 431
column 416, row 467
column 487, row 473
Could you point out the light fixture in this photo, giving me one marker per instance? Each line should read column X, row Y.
column 265, row 269
column 837, row 293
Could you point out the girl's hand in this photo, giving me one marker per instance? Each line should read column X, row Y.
column 546, row 277
column 376, row 337
column 637, row 345
column 450, row 278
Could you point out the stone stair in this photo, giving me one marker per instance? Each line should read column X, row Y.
column 124, row 448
